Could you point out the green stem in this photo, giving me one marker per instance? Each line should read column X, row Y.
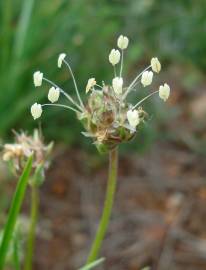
column 32, row 228
column 108, row 204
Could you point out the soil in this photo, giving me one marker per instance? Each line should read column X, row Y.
column 158, row 218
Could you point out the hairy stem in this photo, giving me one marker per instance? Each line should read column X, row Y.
column 108, row 204
column 32, row 228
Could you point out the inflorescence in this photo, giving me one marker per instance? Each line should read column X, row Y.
column 107, row 116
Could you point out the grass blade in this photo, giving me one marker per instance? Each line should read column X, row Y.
column 93, row 264
column 22, row 28
column 14, row 211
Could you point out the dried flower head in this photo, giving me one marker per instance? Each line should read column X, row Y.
column 108, row 118
column 24, row 146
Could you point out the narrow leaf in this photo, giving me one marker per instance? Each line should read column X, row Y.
column 14, row 211
column 93, row 264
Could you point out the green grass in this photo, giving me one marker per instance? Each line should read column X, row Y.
column 14, row 211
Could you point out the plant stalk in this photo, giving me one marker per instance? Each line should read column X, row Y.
column 32, row 228
column 108, row 204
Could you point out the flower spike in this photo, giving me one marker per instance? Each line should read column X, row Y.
column 107, row 116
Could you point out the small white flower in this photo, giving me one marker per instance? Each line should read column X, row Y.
column 155, row 63
column 133, row 118
column 114, row 57
column 60, row 59
column 147, row 78
column 53, row 94
column 164, row 91
column 36, row 110
column 38, row 76
column 117, row 84
column 122, row 42
column 91, row 83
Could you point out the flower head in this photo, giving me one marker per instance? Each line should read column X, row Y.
column 53, row 94
column 133, row 118
column 24, row 145
column 114, row 57
column 122, row 42
column 60, row 59
column 107, row 116
column 117, row 84
column 38, row 77
column 155, row 64
column 91, row 83
column 147, row 77
column 164, row 91
column 36, row 110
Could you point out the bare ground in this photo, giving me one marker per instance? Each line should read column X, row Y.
column 158, row 219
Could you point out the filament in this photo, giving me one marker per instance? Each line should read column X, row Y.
column 61, row 105
column 75, row 84
column 121, row 67
column 134, row 81
column 63, row 92
column 142, row 100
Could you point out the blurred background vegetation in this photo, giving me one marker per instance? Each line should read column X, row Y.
column 32, row 35
column 34, row 32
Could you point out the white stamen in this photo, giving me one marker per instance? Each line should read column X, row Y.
column 164, row 91
column 133, row 118
column 60, row 59
column 53, row 94
column 38, row 76
column 114, row 57
column 36, row 110
column 147, row 77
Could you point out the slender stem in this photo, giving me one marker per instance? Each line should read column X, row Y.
column 142, row 100
column 98, row 85
column 121, row 67
column 32, row 228
column 115, row 73
column 75, row 84
column 63, row 92
column 108, row 204
column 61, row 105
column 133, row 82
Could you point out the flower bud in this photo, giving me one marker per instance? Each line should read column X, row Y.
column 53, row 94
column 147, row 78
column 164, row 91
column 36, row 110
column 133, row 118
column 122, row 42
column 114, row 57
column 117, row 84
column 155, row 63
column 91, row 83
column 60, row 59
column 38, row 76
